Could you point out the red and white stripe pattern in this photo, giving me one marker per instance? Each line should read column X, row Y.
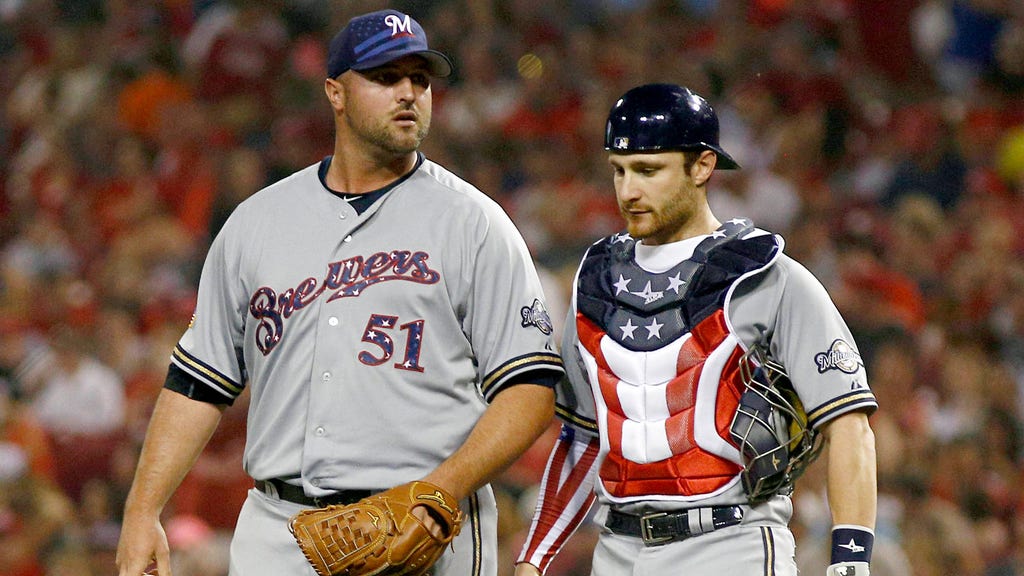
column 665, row 412
column 565, row 498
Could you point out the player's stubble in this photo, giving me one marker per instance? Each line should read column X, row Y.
column 384, row 133
column 657, row 218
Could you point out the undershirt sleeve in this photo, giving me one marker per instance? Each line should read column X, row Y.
column 183, row 383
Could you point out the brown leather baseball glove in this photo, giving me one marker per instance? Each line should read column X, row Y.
column 378, row 534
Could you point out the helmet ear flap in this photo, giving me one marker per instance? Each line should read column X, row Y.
column 770, row 428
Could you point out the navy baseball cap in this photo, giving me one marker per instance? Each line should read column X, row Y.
column 377, row 38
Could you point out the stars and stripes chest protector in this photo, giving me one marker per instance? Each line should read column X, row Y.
column 663, row 364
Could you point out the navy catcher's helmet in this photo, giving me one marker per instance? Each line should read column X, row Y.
column 656, row 117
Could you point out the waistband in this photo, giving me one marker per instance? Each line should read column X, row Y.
column 662, row 527
column 277, row 488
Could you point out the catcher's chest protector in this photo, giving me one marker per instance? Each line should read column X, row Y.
column 665, row 367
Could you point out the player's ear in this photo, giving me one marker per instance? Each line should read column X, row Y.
column 335, row 94
column 703, row 167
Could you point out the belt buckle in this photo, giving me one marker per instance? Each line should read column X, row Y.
column 646, row 530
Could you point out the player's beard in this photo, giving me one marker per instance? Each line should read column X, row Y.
column 383, row 134
column 659, row 223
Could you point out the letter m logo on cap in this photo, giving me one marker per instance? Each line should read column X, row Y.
column 399, row 25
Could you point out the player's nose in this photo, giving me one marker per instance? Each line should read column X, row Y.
column 405, row 90
column 628, row 189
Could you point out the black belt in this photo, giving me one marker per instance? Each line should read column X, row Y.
column 279, row 488
column 662, row 527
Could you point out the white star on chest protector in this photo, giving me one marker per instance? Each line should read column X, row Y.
column 628, row 329
column 622, row 285
column 654, row 329
column 647, row 294
column 674, row 283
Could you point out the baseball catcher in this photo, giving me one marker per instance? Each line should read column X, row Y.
column 378, row 534
column 705, row 369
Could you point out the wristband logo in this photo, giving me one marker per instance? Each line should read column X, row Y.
column 852, row 546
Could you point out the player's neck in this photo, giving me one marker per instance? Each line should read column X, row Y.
column 703, row 223
column 356, row 173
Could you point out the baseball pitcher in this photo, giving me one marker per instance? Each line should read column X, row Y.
column 389, row 325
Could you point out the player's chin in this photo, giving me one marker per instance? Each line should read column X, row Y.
column 404, row 143
column 410, row 136
column 639, row 226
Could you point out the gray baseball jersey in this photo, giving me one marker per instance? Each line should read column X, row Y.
column 651, row 350
column 370, row 342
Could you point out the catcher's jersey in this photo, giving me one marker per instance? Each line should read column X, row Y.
column 652, row 348
column 370, row 342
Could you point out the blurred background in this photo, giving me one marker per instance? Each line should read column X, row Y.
column 883, row 138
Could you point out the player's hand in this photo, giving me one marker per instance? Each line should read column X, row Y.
column 143, row 540
column 526, row 569
column 423, row 515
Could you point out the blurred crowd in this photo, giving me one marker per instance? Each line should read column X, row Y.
column 884, row 139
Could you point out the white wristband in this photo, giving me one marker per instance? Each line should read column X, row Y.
column 848, row 569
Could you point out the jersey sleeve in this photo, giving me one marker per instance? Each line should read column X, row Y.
column 210, row 350
column 507, row 321
column 574, row 398
column 812, row 340
column 565, row 498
